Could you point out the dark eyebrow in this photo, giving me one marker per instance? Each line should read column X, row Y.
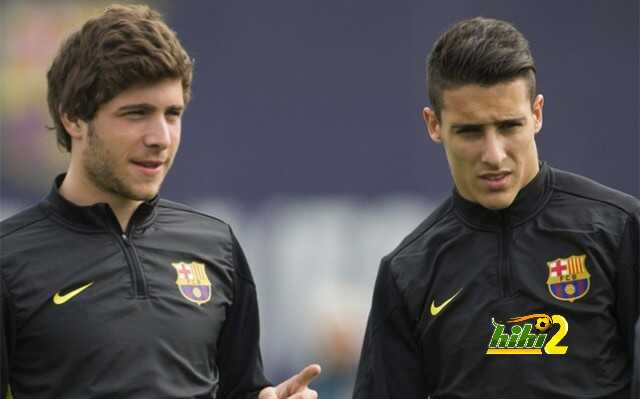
column 511, row 121
column 467, row 126
column 480, row 126
column 136, row 107
column 147, row 107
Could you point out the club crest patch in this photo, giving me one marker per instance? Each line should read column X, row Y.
column 569, row 278
column 193, row 281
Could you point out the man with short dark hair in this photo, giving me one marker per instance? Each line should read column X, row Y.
column 522, row 284
column 107, row 291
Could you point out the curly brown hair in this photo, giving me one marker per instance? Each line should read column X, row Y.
column 123, row 47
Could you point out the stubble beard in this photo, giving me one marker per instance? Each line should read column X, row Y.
column 102, row 172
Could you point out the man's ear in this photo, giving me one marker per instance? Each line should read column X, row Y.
column 432, row 123
column 76, row 127
column 538, row 104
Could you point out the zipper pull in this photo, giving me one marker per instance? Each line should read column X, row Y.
column 125, row 239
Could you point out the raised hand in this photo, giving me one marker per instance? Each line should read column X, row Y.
column 296, row 387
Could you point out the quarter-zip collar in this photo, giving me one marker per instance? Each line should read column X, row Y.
column 529, row 200
column 97, row 217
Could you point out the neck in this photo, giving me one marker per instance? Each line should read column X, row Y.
column 80, row 190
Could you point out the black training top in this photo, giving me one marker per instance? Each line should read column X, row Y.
column 635, row 385
column 166, row 309
column 538, row 300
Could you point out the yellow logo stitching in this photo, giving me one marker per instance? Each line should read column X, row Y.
column 60, row 299
column 437, row 309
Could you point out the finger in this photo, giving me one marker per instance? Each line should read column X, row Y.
column 298, row 382
column 308, row 374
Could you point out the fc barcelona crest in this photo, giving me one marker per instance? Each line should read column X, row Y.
column 193, row 281
column 569, row 278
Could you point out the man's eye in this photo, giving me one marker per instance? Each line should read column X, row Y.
column 469, row 131
column 135, row 113
column 510, row 125
column 174, row 115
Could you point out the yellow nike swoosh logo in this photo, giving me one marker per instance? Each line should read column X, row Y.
column 437, row 309
column 60, row 299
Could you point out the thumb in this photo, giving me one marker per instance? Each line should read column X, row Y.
column 268, row 393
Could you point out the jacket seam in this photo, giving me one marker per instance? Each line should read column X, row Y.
column 621, row 243
column 235, row 245
column 625, row 230
column 397, row 251
column 386, row 316
column 46, row 216
column 61, row 221
column 190, row 210
column 394, row 308
column 373, row 334
column 602, row 201
column 4, row 284
column 245, row 278
column 387, row 263
column 9, row 296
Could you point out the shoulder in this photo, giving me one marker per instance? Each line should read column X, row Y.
column 22, row 234
column 176, row 208
column 435, row 224
column 203, row 230
column 177, row 214
column 22, row 221
column 407, row 262
column 582, row 191
column 580, row 204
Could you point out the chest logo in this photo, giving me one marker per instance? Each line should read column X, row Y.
column 569, row 278
column 193, row 281
column 437, row 309
column 59, row 299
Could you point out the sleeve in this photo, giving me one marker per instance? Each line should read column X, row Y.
column 390, row 364
column 628, row 282
column 635, row 385
column 4, row 339
column 239, row 357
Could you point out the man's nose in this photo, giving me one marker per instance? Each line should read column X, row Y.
column 158, row 133
column 494, row 152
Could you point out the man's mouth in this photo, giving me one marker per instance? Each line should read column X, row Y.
column 148, row 167
column 496, row 180
column 148, row 164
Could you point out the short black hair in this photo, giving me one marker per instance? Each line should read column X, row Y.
column 479, row 51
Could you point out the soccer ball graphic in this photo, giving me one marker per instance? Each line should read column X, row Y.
column 543, row 324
